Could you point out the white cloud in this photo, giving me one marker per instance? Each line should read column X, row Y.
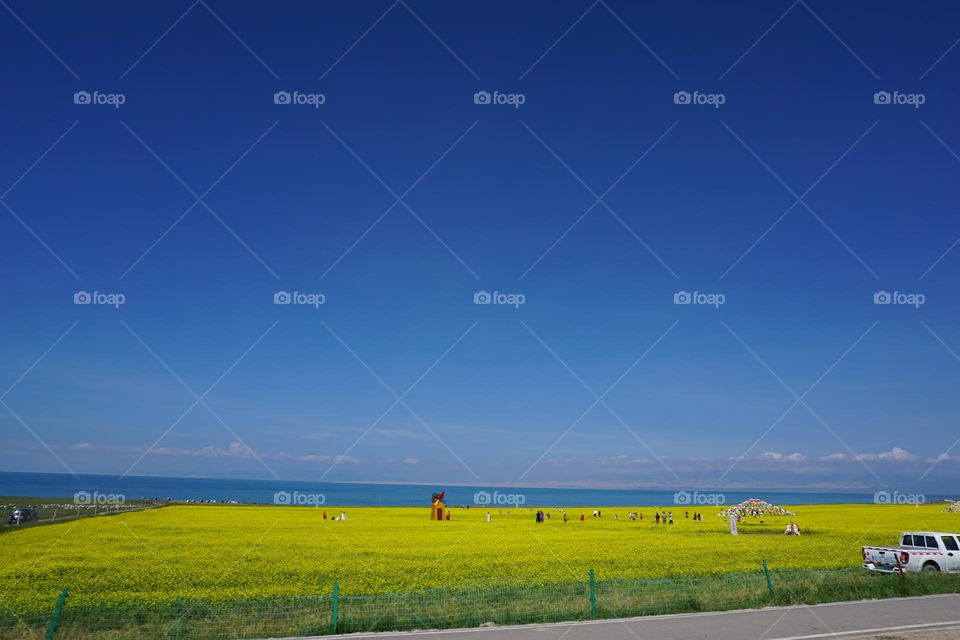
column 239, row 451
column 894, row 455
column 620, row 460
column 411, row 461
column 776, row 456
column 81, row 446
column 834, row 457
column 943, row 457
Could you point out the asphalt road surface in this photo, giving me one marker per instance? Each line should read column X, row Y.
column 862, row 619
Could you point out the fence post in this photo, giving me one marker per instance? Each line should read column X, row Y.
column 593, row 595
column 766, row 572
column 56, row 614
column 336, row 604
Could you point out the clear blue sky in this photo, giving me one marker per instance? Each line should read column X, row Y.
column 297, row 198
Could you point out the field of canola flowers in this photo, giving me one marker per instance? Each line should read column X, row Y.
column 228, row 553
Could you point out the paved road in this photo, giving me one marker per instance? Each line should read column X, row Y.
column 837, row 620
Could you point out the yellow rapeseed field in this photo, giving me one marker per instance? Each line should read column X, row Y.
column 219, row 553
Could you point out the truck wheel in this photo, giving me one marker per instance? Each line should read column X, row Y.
column 931, row 567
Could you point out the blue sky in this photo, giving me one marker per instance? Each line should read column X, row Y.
column 397, row 199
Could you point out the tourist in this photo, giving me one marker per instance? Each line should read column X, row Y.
column 671, row 518
column 581, row 517
column 488, row 516
column 564, row 517
column 657, row 516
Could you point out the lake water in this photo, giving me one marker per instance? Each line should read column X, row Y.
column 361, row 494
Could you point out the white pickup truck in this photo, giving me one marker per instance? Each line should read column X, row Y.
column 918, row 551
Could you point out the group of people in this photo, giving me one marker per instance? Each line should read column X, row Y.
column 792, row 530
column 661, row 518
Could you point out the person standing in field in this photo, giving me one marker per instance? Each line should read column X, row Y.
column 657, row 516
column 488, row 516
column 564, row 517
column 581, row 517
column 671, row 518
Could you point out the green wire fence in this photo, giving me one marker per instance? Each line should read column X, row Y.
column 493, row 604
